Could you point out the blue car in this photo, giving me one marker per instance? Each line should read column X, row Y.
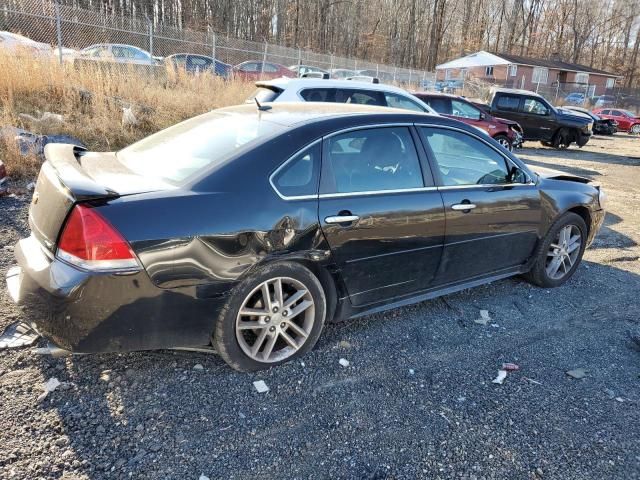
column 575, row 98
column 194, row 63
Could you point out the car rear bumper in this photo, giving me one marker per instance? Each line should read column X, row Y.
column 86, row 312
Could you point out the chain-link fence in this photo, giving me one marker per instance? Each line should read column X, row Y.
column 69, row 29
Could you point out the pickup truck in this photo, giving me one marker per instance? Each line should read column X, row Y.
column 539, row 119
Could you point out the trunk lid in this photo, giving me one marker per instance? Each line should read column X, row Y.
column 71, row 175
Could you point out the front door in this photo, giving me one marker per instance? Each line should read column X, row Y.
column 380, row 213
column 537, row 119
column 492, row 209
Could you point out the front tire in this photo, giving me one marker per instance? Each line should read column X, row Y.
column 560, row 252
column 562, row 140
column 635, row 129
column 274, row 316
column 504, row 141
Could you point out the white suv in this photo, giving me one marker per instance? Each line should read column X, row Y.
column 336, row 91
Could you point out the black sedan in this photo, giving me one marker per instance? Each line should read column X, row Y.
column 250, row 227
column 601, row 126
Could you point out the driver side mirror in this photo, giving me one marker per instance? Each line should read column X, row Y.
column 482, row 116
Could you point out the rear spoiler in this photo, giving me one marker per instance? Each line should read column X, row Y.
column 64, row 158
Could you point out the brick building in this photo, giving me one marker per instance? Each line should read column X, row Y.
column 528, row 73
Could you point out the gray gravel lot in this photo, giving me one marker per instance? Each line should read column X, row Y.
column 416, row 401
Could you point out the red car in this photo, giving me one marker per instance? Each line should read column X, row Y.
column 258, row 70
column 506, row 132
column 627, row 121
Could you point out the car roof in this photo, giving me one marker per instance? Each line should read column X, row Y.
column 438, row 94
column 515, row 91
column 290, row 114
column 285, row 83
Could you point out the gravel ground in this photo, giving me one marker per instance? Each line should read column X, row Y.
column 417, row 400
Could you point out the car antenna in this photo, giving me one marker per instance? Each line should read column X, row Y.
column 262, row 108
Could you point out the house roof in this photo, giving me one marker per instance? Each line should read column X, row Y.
column 485, row 59
column 555, row 64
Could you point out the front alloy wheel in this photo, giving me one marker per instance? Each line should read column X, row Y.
column 563, row 252
column 275, row 320
column 635, row 129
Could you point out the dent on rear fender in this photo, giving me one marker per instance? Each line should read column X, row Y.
column 215, row 261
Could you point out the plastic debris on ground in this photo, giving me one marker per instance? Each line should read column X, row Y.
column 45, row 120
column 344, row 362
column 577, row 373
column 502, row 374
column 49, row 386
column 510, row 367
column 18, row 334
column 198, row 366
column 128, row 117
column 260, row 386
column 484, row 317
column 29, row 143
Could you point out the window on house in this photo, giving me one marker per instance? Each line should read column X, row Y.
column 448, row 74
column 488, row 71
column 611, row 82
column 540, row 75
column 582, row 78
column 513, row 70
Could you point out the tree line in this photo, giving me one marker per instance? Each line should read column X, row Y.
column 421, row 34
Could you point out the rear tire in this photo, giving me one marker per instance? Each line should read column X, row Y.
column 558, row 255
column 254, row 334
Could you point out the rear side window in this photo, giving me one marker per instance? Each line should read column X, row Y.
column 399, row 101
column 509, row 103
column 372, row 160
column 190, row 147
column 300, row 174
column 361, row 97
column 318, row 94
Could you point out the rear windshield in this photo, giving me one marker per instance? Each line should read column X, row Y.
column 263, row 95
column 194, row 145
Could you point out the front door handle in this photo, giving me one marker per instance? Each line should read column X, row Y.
column 463, row 206
column 342, row 219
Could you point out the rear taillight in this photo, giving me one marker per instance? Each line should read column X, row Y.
column 90, row 242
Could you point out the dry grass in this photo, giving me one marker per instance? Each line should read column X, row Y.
column 91, row 99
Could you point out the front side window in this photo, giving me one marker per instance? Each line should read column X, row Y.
column 617, row 113
column 375, row 159
column 508, row 103
column 250, row 67
column 299, row 176
column 532, row 105
column 464, row 160
column 270, row 68
column 464, row 110
column 179, row 60
column 200, row 63
column 398, row 101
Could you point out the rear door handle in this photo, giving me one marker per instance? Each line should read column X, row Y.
column 463, row 206
column 342, row 219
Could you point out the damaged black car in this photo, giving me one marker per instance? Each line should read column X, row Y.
column 248, row 228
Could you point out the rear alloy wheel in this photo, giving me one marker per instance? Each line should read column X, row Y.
column 635, row 129
column 504, row 141
column 562, row 139
column 560, row 252
column 273, row 317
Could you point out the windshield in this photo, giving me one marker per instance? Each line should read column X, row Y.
column 629, row 113
column 187, row 148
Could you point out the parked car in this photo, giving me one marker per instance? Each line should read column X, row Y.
column 605, row 101
column 463, row 110
column 452, row 86
column 601, row 126
column 486, row 109
column 627, row 121
column 256, row 70
column 300, row 70
column 195, row 63
column 117, row 53
column 15, row 43
column 342, row 73
column 336, row 91
column 575, row 98
column 246, row 244
column 539, row 119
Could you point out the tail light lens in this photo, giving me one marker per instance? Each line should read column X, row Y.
column 90, row 242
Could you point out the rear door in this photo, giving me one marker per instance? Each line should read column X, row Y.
column 492, row 217
column 380, row 212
